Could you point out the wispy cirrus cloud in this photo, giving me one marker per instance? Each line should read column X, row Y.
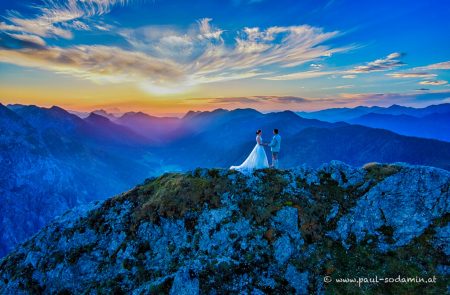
column 301, row 75
column 437, row 66
column 384, row 99
column 341, row 100
column 384, row 64
column 33, row 39
column 424, row 72
column 433, row 82
column 165, row 60
column 252, row 100
column 422, row 75
column 344, row 86
column 58, row 18
column 98, row 63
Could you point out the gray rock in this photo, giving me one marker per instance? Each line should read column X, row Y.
column 407, row 201
column 307, row 173
column 344, row 174
column 442, row 238
column 184, row 284
column 286, row 220
column 226, row 249
column 298, row 280
column 333, row 212
column 283, row 249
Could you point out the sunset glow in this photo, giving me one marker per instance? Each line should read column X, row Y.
column 149, row 56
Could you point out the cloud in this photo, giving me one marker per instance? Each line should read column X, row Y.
column 316, row 66
column 277, row 46
column 392, row 97
column 166, row 60
column 98, row 63
column 42, row 26
column 232, row 100
column 78, row 25
column 412, row 75
column 422, row 72
column 301, row 75
column 13, row 41
column 437, row 66
column 433, row 82
column 57, row 18
column 208, row 31
column 163, row 41
column 30, row 39
column 344, row 86
column 291, row 99
column 341, row 100
column 383, row 64
column 251, row 100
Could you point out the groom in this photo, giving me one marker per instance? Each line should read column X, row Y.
column 275, row 146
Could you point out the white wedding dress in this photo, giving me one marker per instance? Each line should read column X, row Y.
column 256, row 160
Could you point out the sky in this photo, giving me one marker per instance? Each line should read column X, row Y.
column 166, row 57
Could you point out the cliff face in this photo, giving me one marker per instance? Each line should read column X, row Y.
column 276, row 231
column 49, row 164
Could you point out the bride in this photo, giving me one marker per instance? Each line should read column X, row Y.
column 257, row 158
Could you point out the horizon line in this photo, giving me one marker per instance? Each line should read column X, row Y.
column 84, row 114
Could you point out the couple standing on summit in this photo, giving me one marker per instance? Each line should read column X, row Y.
column 258, row 158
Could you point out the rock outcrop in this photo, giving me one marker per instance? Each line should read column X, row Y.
column 275, row 232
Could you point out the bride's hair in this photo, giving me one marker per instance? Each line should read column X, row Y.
column 258, row 132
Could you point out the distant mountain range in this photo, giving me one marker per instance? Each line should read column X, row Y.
column 430, row 122
column 347, row 114
column 228, row 139
column 52, row 160
column 430, row 126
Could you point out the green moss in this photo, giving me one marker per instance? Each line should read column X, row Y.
column 270, row 193
column 418, row 259
column 173, row 195
column 378, row 172
column 325, row 194
column 176, row 196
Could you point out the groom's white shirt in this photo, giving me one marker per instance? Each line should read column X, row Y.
column 275, row 144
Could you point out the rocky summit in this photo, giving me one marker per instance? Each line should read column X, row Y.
column 214, row 231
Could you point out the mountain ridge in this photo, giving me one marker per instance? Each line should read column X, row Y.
column 73, row 161
column 346, row 114
column 434, row 126
column 50, row 167
column 218, row 231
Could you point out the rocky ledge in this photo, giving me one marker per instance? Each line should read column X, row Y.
column 215, row 231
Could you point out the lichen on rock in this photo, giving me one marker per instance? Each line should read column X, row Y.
column 213, row 231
